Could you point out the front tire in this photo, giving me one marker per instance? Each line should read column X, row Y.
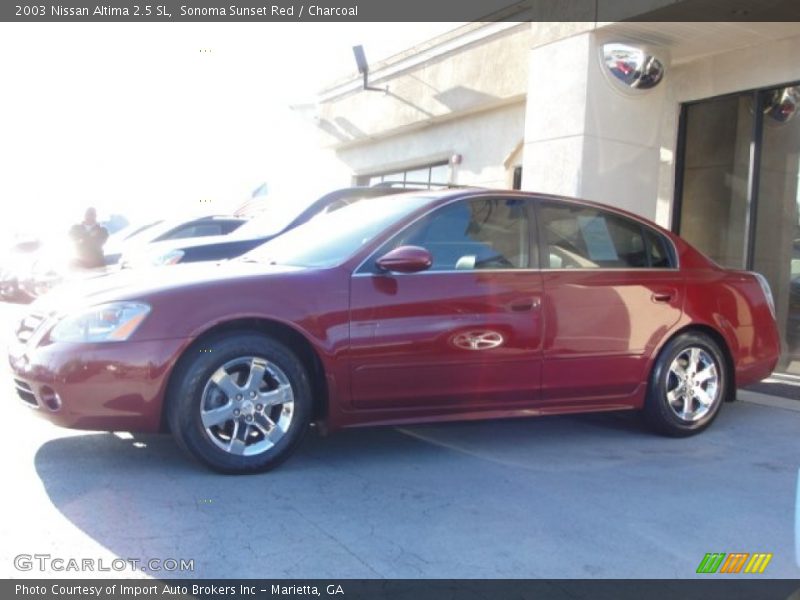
column 240, row 402
column 687, row 386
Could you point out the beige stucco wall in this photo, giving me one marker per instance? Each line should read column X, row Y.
column 768, row 64
column 487, row 72
column 484, row 140
column 585, row 137
column 544, row 84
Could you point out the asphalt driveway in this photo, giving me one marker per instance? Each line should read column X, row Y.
column 586, row 496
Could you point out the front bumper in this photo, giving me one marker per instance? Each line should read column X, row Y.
column 115, row 386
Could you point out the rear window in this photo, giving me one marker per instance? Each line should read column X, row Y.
column 660, row 250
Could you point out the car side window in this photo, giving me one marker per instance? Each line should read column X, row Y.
column 660, row 255
column 483, row 233
column 198, row 230
column 585, row 238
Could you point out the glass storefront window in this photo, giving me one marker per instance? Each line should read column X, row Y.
column 418, row 176
column 440, row 174
column 740, row 200
column 421, row 177
column 715, row 174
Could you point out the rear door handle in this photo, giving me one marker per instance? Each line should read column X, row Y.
column 662, row 296
column 524, row 305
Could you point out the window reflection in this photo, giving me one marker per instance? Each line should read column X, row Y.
column 781, row 104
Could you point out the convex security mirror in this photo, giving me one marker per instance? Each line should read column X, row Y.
column 630, row 67
column 781, row 104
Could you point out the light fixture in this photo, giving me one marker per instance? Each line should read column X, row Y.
column 363, row 68
column 630, row 67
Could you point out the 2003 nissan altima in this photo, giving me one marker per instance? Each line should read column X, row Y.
column 408, row 308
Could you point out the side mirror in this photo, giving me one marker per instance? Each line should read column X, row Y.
column 405, row 259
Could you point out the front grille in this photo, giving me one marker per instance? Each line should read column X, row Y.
column 28, row 326
column 25, row 392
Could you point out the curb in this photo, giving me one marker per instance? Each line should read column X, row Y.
column 766, row 400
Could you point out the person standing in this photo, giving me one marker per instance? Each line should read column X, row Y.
column 89, row 237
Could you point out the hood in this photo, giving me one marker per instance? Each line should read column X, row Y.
column 143, row 255
column 134, row 284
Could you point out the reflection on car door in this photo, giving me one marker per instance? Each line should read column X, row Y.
column 611, row 291
column 465, row 334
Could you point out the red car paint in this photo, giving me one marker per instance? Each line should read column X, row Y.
column 398, row 348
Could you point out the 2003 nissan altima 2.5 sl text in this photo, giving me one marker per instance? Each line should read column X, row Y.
column 418, row 307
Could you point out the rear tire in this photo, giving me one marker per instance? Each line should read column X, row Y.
column 239, row 403
column 688, row 384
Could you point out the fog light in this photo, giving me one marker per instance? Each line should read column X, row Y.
column 49, row 398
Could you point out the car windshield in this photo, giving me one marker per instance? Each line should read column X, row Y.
column 331, row 238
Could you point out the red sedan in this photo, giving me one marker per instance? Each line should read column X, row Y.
column 428, row 306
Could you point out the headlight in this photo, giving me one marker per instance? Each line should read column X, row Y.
column 168, row 258
column 114, row 322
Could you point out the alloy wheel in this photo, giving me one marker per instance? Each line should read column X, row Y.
column 247, row 406
column 693, row 384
